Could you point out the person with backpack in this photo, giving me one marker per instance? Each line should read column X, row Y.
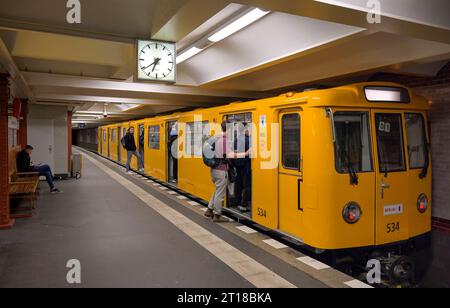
column 129, row 144
column 217, row 152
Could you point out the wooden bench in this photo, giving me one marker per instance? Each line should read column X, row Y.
column 22, row 185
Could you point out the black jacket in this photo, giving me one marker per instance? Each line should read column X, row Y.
column 24, row 162
column 130, row 143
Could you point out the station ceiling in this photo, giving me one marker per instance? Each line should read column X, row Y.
column 300, row 42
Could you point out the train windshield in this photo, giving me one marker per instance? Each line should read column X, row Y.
column 352, row 145
column 417, row 142
column 415, row 132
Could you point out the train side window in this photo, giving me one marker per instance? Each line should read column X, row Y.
column 417, row 141
column 291, row 141
column 196, row 135
column 241, row 122
column 104, row 135
column 113, row 135
column 154, row 137
column 390, row 142
column 353, row 149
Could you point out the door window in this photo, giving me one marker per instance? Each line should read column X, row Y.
column 291, row 141
column 390, row 142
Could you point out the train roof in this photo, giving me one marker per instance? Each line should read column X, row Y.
column 366, row 95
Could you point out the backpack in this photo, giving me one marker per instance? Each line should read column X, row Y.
column 208, row 153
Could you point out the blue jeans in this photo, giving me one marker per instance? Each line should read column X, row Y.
column 45, row 170
column 138, row 156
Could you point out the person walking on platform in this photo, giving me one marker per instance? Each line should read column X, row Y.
column 24, row 165
column 129, row 144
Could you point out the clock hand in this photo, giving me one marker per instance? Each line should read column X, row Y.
column 156, row 63
column 149, row 65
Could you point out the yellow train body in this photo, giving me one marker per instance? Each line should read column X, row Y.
column 305, row 199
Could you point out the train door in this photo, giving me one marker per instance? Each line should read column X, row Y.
column 141, row 143
column 391, row 217
column 239, row 193
column 100, row 138
column 108, row 141
column 123, row 151
column 172, row 152
column 119, row 144
column 290, row 175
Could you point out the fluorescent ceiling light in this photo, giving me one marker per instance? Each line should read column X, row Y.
column 126, row 107
column 239, row 24
column 188, row 54
column 77, row 115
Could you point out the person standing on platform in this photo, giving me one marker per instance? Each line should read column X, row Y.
column 129, row 144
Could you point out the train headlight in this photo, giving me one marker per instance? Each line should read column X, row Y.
column 422, row 203
column 352, row 213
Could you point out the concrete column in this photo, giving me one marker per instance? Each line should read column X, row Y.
column 5, row 219
column 23, row 125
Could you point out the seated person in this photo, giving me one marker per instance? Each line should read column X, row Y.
column 24, row 165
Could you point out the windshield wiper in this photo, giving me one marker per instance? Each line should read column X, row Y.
column 424, row 172
column 353, row 176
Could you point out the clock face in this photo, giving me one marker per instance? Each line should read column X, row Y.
column 156, row 61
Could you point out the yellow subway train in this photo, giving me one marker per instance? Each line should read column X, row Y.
column 344, row 168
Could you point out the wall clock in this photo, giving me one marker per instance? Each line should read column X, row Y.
column 156, row 61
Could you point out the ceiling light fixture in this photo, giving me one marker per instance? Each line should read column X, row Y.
column 126, row 107
column 244, row 19
column 238, row 24
column 188, row 54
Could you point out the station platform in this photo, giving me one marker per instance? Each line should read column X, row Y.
column 128, row 231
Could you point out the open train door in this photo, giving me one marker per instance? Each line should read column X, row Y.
column 172, row 151
column 392, row 203
column 108, row 142
column 290, row 210
column 119, row 144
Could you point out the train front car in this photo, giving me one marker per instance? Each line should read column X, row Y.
column 374, row 172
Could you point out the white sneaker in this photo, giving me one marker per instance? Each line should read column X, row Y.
column 141, row 170
column 130, row 172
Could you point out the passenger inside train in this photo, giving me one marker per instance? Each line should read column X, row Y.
column 172, row 156
column 240, row 192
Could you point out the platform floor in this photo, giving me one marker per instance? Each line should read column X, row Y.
column 106, row 222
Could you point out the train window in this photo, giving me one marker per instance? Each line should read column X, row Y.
column 113, row 135
column 417, row 141
column 104, row 135
column 390, row 142
column 241, row 122
column 154, row 137
column 196, row 135
column 291, row 141
column 353, row 147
